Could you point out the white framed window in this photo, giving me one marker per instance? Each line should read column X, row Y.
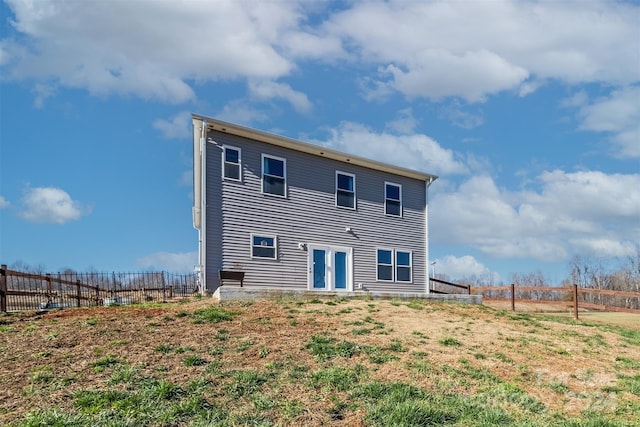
column 345, row 190
column 394, row 265
column 385, row 265
column 392, row 199
column 404, row 268
column 231, row 163
column 274, row 175
column 264, row 246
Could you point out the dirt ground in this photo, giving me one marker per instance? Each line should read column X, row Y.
column 535, row 354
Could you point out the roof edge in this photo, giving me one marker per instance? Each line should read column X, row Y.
column 305, row 147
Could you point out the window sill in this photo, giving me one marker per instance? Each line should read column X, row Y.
column 346, row 207
column 274, row 195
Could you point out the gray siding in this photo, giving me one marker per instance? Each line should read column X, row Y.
column 307, row 215
column 213, row 216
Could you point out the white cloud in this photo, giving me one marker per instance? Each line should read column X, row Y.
column 591, row 195
column 435, row 49
column 309, row 46
column 178, row 262
column 471, row 75
column 459, row 117
column 578, row 99
column 416, row 151
column 4, row 202
column 529, row 87
column 49, row 205
column 610, row 247
column 239, row 111
column 42, row 93
column 619, row 115
column 464, row 267
column 404, row 124
column 374, row 90
column 149, row 49
column 588, row 212
column 468, row 49
column 177, row 127
column 266, row 90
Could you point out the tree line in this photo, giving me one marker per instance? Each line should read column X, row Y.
column 585, row 272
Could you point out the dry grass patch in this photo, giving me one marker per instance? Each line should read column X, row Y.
column 315, row 362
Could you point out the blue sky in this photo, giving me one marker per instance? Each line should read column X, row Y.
column 528, row 111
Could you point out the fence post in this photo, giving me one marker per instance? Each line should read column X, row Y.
column 575, row 301
column 469, row 290
column 513, row 297
column 3, row 288
column 78, row 293
column 164, row 295
column 48, row 279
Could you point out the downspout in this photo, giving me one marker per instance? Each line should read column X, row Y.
column 426, row 232
column 203, row 208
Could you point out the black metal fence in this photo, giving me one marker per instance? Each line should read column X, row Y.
column 28, row 291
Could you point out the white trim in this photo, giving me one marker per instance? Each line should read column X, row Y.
column 355, row 198
column 392, row 265
column 224, row 162
column 388, row 198
column 266, row 236
column 284, row 172
column 330, row 251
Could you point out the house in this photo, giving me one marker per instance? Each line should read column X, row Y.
column 292, row 215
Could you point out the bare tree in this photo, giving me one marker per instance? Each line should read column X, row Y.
column 22, row 266
column 533, row 279
column 591, row 274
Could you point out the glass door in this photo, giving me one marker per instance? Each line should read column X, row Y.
column 319, row 269
column 340, row 269
column 330, row 268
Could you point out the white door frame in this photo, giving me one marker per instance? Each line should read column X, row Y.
column 330, row 250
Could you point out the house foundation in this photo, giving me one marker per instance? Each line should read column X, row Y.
column 248, row 293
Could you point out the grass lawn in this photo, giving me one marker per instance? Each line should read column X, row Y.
column 315, row 362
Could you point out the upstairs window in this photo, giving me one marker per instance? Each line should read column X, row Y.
column 385, row 265
column 274, row 175
column 263, row 246
column 231, row 163
column 392, row 199
column 345, row 190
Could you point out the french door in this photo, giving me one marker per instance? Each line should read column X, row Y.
column 330, row 268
